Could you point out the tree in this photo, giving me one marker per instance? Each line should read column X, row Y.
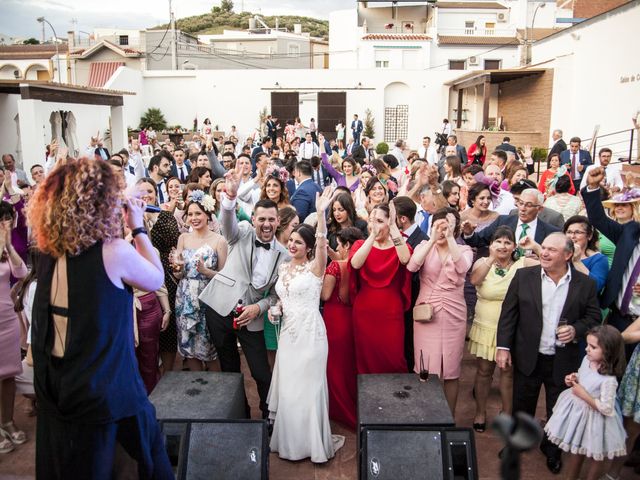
column 153, row 118
column 226, row 5
column 369, row 121
column 31, row 41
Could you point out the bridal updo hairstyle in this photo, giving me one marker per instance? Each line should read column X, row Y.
column 308, row 235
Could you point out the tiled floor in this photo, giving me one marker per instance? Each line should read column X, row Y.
column 19, row 464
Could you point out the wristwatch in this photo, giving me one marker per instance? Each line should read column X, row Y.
column 138, row 230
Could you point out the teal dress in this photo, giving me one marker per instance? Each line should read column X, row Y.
column 629, row 390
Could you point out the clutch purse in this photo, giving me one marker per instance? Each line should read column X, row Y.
column 423, row 313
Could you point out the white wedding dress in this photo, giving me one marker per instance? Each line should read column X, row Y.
column 298, row 398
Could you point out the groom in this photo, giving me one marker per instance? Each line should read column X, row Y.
column 249, row 275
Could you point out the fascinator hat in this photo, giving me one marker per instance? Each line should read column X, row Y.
column 630, row 196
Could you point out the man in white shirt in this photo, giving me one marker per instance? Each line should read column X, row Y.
column 308, row 149
column 397, row 151
column 428, row 152
column 547, row 309
column 613, row 173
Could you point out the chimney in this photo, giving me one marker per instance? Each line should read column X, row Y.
column 297, row 28
column 71, row 39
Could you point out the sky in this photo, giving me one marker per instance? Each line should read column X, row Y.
column 18, row 17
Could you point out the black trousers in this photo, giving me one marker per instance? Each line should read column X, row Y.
column 255, row 351
column 526, row 390
column 408, row 339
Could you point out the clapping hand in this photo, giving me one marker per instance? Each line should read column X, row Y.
column 323, row 201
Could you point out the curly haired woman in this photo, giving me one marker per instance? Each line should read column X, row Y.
column 90, row 394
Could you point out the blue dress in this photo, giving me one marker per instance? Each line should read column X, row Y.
column 194, row 340
column 598, row 266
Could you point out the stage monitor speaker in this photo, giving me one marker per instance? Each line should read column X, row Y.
column 199, row 396
column 402, row 399
column 430, row 453
column 218, row 449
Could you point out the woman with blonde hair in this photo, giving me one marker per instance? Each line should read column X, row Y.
column 90, row 394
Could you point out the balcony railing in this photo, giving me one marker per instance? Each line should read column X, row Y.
column 478, row 32
column 393, row 26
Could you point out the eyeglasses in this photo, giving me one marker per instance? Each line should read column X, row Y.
column 576, row 232
column 526, row 205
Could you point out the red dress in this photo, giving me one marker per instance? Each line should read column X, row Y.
column 341, row 362
column 382, row 295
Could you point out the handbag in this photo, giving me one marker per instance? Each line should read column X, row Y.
column 423, row 313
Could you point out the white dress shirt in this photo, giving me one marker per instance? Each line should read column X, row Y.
column 262, row 258
column 504, row 204
column 531, row 232
column 613, row 175
column 182, row 170
column 553, row 299
column 308, row 150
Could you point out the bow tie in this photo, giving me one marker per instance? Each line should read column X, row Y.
column 259, row 244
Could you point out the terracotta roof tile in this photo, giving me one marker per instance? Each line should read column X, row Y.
column 473, row 40
column 395, row 36
column 101, row 72
column 25, row 52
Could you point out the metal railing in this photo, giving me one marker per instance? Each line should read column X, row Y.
column 478, row 32
column 623, row 145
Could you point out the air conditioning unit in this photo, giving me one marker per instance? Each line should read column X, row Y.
column 503, row 17
column 473, row 61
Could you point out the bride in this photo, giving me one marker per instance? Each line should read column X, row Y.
column 298, row 398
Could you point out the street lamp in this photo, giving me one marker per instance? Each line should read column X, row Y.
column 528, row 41
column 41, row 20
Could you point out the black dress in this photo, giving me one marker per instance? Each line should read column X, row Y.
column 92, row 398
column 164, row 237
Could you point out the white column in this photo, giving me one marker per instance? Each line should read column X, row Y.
column 118, row 130
column 33, row 134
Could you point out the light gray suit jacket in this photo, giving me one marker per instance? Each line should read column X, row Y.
column 233, row 282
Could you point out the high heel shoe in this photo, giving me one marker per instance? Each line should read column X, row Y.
column 15, row 436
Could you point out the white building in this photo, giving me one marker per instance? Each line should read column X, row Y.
column 260, row 48
column 468, row 35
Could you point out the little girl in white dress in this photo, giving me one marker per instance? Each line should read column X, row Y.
column 585, row 421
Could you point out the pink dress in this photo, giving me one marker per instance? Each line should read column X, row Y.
column 442, row 340
column 10, row 361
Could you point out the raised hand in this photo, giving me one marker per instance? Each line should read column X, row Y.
column 596, row 175
column 392, row 215
column 232, row 183
column 527, row 151
column 323, row 201
column 467, row 227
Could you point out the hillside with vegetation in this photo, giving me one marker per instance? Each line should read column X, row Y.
column 224, row 18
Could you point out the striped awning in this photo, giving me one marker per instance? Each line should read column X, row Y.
column 100, row 72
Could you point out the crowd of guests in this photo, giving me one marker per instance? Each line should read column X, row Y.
column 325, row 261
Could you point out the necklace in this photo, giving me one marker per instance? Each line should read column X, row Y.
column 500, row 270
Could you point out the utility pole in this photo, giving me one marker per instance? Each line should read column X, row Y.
column 174, row 43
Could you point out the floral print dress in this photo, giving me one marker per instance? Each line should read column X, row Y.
column 194, row 340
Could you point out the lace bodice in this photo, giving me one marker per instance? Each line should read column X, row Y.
column 299, row 292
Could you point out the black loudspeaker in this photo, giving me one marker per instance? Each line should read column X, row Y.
column 402, row 399
column 194, row 396
column 218, row 449
column 430, row 453
column 406, row 430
